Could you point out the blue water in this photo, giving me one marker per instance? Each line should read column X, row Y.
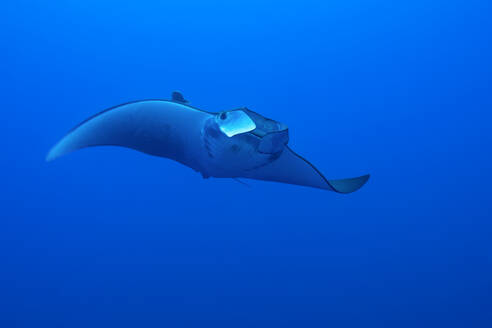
column 109, row 237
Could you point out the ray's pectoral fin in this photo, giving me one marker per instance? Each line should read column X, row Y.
column 155, row 127
column 294, row 169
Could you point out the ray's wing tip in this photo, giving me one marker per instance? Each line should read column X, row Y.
column 50, row 156
column 364, row 179
column 54, row 153
column 347, row 186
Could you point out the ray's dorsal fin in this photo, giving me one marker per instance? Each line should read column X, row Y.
column 178, row 97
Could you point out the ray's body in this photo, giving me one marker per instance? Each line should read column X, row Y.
column 231, row 144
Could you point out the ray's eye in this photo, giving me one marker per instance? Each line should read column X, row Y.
column 223, row 116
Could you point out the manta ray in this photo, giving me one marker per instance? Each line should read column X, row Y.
column 237, row 143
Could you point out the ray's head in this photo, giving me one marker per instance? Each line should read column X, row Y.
column 240, row 140
column 270, row 136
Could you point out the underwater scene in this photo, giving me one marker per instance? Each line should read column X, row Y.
column 246, row 163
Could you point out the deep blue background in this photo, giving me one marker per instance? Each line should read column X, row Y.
column 114, row 238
